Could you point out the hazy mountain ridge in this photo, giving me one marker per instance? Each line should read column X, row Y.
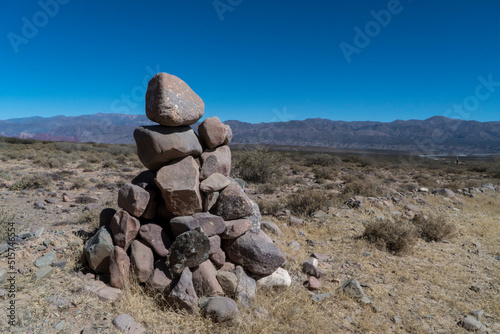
column 431, row 136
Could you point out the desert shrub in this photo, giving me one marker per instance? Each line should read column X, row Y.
column 5, row 219
column 433, row 228
column 307, row 201
column 322, row 160
column 33, row 181
column 79, row 183
column 324, row 173
column 259, row 166
column 89, row 217
column 50, row 162
column 267, row 188
column 363, row 185
column 269, row 207
column 397, row 237
column 85, row 165
column 5, row 175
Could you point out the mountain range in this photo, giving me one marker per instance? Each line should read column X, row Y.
column 436, row 135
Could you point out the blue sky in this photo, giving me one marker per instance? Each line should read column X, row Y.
column 255, row 60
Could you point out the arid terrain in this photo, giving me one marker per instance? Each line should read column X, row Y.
column 424, row 260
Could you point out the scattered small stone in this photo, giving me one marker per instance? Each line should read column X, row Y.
column 278, row 280
column 61, row 325
column 396, row 320
column 392, row 294
column 43, row 273
column 46, row 260
column 271, row 227
column 41, row 248
column 321, row 296
column 366, row 253
column 38, row 232
column 47, row 242
column 376, row 309
column 349, row 319
column 3, row 293
column 475, row 288
column 313, row 283
column 3, row 275
column 352, row 288
column 39, row 205
column 26, row 235
column 5, row 247
column 58, row 301
column 477, row 314
column 302, row 234
column 127, row 324
column 294, row 245
column 296, row 222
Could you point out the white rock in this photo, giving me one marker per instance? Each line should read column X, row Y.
column 280, row 279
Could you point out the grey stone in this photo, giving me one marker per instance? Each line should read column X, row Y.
column 220, row 165
column 142, row 260
column 204, row 280
column 271, row 227
column 45, row 260
column 3, row 275
column 43, row 273
column 209, row 166
column 321, row 296
column 240, row 182
column 183, row 224
column 3, row 248
column 97, row 250
column 61, row 325
column 255, row 217
column 128, row 325
column 310, row 267
column 189, row 249
column 60, row 263
column 159, row 145
column 171, row 102
column 228, row 281
column 235, row 228
column 471, row 324
column 210, row 224
column 352, row 288
column 215, row 182
column 156, row 237
column 233, row 203
column 246, row 288
column 160, row 280
column 58, row 301
column 183, row 295
column 38, row 232
column 220, row 309
column 443, row 192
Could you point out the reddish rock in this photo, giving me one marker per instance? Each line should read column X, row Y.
column 223, row 163
column 236, row 228
column 228, row 266
column 183, row 224
column 218, row 258
column 209, row 166
column 159, row 145
column 119, row 267
column 156, row 237
column 214, row 133
column 313, row 283
column 180, row 186
column 228, row 281
column 255, row 253
column 214, row 244
column 105, row 216
column 210, row 224
column 142, row 260
column 133, row 199
column 160, row 280
column 204, row 280
column 68, row 197
column 233, row 203
column 125, row 228
column 150, row 211
column 171, row 102
column 183, row 296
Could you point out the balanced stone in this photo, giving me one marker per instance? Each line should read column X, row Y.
column 158, row 145
column 142, row 260
column 156, row 237
column 233, row 203
column 133, row 199
column 214, row 133
column 180, row 186
column 171, row 102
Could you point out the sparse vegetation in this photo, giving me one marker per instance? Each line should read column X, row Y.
column 34, row 181
column 398, row 237
column 433, row 228
column 259, row 166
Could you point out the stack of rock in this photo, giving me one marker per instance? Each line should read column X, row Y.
column 185, row 228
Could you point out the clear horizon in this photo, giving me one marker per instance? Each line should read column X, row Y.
column 255, row 61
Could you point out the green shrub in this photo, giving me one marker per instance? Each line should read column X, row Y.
column 259, row 166
column 397, row 237
column 34, row 181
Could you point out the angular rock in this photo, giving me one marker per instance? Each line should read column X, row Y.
column 235, row 228
column 183, row 295
column 97, row 250
column 189, row 249
column 119, row 267
column 227, row 266
column 204, row 280
column 214, row 244
column 180, row 186
column 209, row 166
column 218, row 258
column 246, row 288
column 133, row 199
column 214, row 133
column 105, row 216
column 159, row 145
column 183, row 224
column 160, row 280
column 221, row 309
column 313, row 283
column 146, row 180
column 209, row 200
column 142, row 260
column 233, row 203
column 352, row 288
column 255, row 253
column 124, row 228
column 210, row 224
column 310, row 267
column 156, row 237
column 46, row 260
column 223, row 163
column 171, row 102
column 152, row 207
column 215, row 182
column 228, row 281
column 128, row 325
column 43, row 273
column 279, row 280
column 255, row 217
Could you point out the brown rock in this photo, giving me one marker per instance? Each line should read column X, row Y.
column 214, row 244
column 133, row 199
column 159, row 145
column 180, row 187
column 125, row 228
column 313, row 283
column 210, row 224
column 171, row 102
column 142, row 260
column 183, row 224
column 236, row 228
column 228, row 281
column 150, row 212
column 160, row 280
column 209, row 166
column 255, row 253
column 183, row 296
column 223, row 164
column 146, row 180
column 233, row 203
column 215, row 182
column 220, row 309
column 156, row 237
column 204, row 281
column 228, row 266
column 218, row 258
column 119, row 267
column 214, row 133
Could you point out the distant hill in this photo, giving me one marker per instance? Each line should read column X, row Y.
column 436, row 135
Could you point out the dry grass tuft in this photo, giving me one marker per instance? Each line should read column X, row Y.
column 306, row 201
column 433, row 228
column 398, row 237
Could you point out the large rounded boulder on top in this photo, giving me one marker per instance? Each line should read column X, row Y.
column 158, row 145
column 180, row 187
column 220, row 164
column 171, row 102
column 233, row 203
column 214, row 133
column 255, row 253
column 133, row 199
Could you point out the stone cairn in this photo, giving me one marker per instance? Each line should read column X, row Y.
column 186, row 229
